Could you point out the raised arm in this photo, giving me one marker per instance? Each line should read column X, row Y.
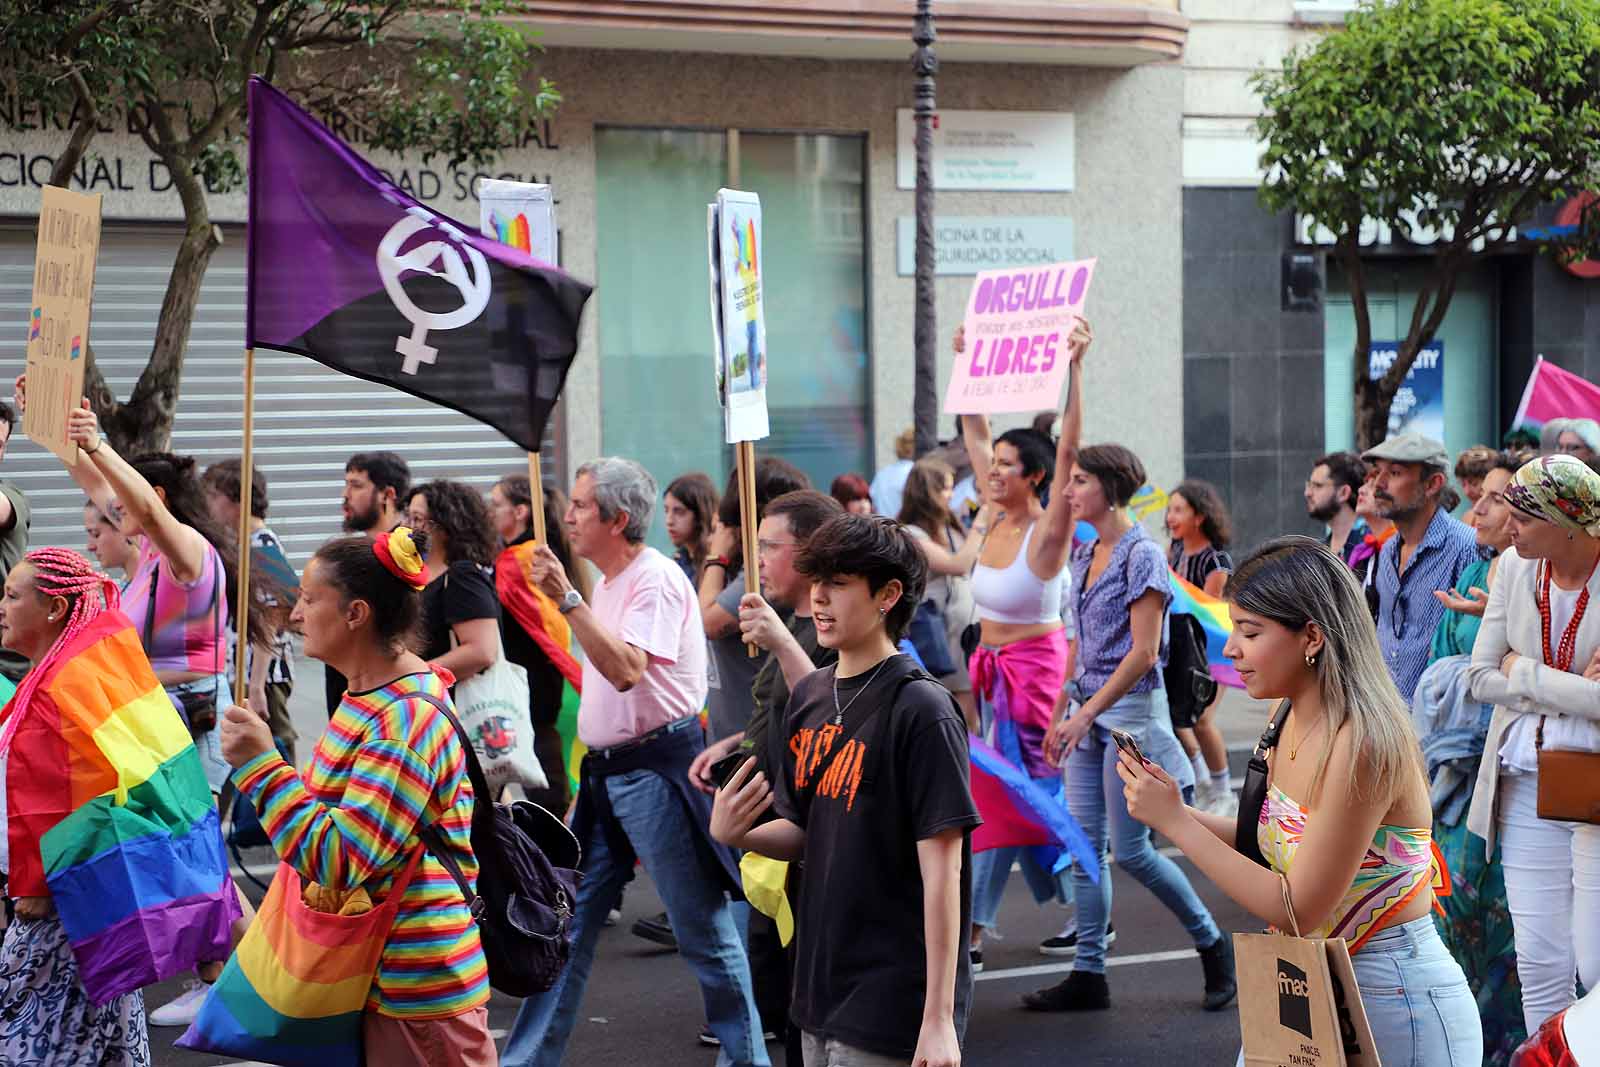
column 1048, row 552
column 182, row 547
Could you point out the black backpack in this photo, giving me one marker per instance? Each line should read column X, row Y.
column 1187, row 676
column 527, row 878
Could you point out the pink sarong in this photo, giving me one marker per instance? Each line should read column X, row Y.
column 1021, row 682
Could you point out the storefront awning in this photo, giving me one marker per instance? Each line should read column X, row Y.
column 1111, row 33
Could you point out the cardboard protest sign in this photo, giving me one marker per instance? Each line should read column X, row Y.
column 58, row 319
column 1017, row 326
column 519, row 214
column 737, row 317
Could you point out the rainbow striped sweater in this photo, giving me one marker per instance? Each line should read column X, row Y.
column 387, row 762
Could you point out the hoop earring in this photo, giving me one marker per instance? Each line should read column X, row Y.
column 1311, row 661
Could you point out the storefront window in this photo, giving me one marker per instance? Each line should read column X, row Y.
column 1467, row 341
column 657, row 393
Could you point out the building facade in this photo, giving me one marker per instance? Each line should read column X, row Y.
column 1074, row 110
column 1268, row 389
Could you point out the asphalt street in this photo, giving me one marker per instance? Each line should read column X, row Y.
column 643, row 1006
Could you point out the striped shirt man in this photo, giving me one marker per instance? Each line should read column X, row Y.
column 1408, row 612
column 387, row 762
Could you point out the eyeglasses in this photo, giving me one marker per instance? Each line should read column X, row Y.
column 418, row 522
column 765, row 547
column 1313, row 484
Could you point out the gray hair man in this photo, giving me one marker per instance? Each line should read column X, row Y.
column 644, row 682
column 1429, row 551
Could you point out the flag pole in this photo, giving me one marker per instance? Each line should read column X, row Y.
column 536, row 495
column 746, row 456
column 241, row 679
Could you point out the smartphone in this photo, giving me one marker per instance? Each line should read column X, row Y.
column 724, row 768
column 1125, row 741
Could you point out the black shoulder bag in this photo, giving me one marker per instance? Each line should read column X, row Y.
column 527, row 880
column 1253, row 794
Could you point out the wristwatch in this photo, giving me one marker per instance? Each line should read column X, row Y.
column 569, row 600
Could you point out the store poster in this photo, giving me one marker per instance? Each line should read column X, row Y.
column 1418, row 405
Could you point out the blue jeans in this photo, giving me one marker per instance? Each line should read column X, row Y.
column 1417, row 1001
column 702, row 918
column 1094, row 796
column 992, row 868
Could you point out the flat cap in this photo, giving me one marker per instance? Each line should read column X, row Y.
column 1410, row 447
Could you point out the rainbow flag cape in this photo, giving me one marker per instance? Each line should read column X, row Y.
column 1213, row 615
column 1017, row 810
column 109, row 812
column 538, row 615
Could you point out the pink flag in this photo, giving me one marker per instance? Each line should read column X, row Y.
column 1553, row 393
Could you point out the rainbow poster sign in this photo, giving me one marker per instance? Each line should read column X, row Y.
column 519, row 214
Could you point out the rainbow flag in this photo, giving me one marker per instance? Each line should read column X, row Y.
column 1213, row 615
column 1017, row 810
column 538, row 615
column 513, row 231
column 109, row 808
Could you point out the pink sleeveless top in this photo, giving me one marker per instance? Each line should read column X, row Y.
column 188, row 628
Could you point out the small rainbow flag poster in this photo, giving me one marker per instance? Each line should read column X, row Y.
column 519, row 214
column 109, row 808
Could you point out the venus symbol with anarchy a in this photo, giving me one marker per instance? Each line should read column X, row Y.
column 474, row 287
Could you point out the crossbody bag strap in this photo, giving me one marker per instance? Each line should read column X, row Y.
column 429, row 834
column 150, row 608
column 1253, row 795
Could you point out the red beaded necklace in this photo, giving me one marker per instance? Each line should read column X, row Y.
column 1567, row 649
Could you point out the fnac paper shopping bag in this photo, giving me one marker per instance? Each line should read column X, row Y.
column 1299, row 1005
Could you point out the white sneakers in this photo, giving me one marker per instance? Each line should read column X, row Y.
column 182, row 1010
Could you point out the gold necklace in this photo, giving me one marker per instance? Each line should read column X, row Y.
column 1294, row 749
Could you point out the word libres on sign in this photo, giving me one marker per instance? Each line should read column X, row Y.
column 1017, row 326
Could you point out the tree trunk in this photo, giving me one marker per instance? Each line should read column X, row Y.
column 1372, row 412
column 144, row 422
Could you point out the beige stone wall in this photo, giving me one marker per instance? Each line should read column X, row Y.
column 1125, row 209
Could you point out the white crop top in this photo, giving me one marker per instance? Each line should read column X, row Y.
column 1015, row 594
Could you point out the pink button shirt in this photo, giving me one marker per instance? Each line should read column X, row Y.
column 651, row 606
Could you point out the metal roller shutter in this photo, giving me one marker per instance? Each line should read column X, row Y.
column 308, row 419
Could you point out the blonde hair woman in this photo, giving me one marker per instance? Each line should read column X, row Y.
column 1348, row 827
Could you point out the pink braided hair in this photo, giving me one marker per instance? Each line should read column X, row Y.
column 60, row 572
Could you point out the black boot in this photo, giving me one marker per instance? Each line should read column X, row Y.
column 1080, row 991
column 1222, row 985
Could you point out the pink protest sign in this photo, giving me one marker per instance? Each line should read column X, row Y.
column 1017, row 326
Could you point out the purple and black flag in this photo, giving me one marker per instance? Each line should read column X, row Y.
column 346, row 268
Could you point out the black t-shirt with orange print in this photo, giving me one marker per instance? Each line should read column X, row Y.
column 898, row 777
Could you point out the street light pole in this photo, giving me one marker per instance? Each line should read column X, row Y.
column 925, row 399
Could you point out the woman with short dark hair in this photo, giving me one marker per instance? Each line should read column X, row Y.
column 1121, row 587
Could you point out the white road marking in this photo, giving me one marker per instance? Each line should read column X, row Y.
column 1066, row 965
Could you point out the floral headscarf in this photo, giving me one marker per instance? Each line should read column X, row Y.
column 1558, row 489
